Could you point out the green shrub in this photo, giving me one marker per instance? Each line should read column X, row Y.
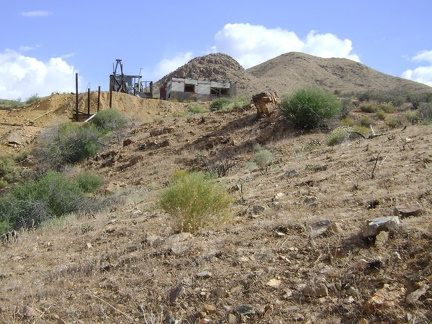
column 347, row 122
column 67, row 144
column 239, row 102
column 425, row 112
column 88, row 182
column 263, row 159
column 51, row 195
column 412, row 116
column 193, row 109
column 307, row 108
column 108, row 120
column 381, row 114
column 392, row 122
column 395, row 96
column 345, row 133
column 387, row 108
column 32, row 99
column 220, row 104
column 368, row 107
column 366, row 121
column 195, row 201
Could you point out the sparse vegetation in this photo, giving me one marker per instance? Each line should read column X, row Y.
column 308, row 108
column 108, row 120
column 345, row 133
column 51, row 195
column 263, row 159
column 32, row 99
column 195, row 201
column 67, row 144
column 226, row 104
column 194, row 109
column 221, row 104
column 392, row 122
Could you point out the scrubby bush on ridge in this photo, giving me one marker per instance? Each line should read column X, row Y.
column 309, row 107
column 108, row 119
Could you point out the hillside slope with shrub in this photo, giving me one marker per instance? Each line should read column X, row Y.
column 290, row 249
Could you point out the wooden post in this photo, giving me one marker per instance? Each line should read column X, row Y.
column 98, row 99
column 76, row 98
column 88, row 102
column 111, row 87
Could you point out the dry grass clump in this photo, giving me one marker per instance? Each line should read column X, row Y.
column 195, row 201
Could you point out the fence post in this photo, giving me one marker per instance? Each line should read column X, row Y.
column 76, row 98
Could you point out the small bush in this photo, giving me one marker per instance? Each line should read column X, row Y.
column 193, row 109
column 195, row 201
column 387, row 108
column 263, row 159
column 392, row 122
column 347, row 122
column 67, row 144
column 368, row 107
column 239, row 103
column 88, row 182
column 108, row 120
column 49, row 196
column 344, row 133
column 220, row 104
column 412, row 116
column 425, row 112
column 32, row 99
column 381, row 114
column 308, row 108
column 366, row 121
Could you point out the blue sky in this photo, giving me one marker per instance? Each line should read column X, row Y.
column 45, row 42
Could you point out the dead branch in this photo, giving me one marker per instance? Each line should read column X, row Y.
column 376, row 162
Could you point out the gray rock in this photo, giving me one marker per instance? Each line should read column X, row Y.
column 413, row 297
column 318, row 290
column 257, row 209
column 374, row 226
column 408, row 210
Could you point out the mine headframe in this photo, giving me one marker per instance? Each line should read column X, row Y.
column 131, row 84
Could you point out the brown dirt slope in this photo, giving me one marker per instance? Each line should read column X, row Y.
column 274, row 262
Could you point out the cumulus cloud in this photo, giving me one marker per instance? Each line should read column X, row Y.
column 253, row 44
column 168, row 65
column 423, row 73
column 38, row 13
column 23, row 76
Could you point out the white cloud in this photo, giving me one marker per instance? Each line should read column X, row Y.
column 23, row 76
column 253, row 44
column 168, row 65
column 422, row 74
column 38, row 13
column 425, row 56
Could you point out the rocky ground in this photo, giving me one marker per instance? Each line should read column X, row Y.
column 298, row 247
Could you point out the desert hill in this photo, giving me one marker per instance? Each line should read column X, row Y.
column 291, row 71
column 293, row 250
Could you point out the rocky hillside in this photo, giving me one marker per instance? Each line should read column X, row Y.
column 291, row 71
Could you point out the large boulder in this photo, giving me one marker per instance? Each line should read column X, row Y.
column 265, row 103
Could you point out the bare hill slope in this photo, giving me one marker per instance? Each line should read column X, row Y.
column 292, row 71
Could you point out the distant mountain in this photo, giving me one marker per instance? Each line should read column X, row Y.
column 291, row 71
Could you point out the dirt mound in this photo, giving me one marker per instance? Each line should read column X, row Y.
column 24, row 124
column 217, row 67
